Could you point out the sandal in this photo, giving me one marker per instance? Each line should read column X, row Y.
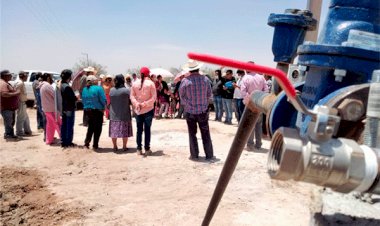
column 115, row 149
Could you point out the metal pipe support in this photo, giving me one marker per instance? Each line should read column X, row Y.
column 246, row 125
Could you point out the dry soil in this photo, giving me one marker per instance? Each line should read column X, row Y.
column 48, row 185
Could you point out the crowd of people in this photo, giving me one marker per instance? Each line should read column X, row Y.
column 120, row 98
column 230, row 95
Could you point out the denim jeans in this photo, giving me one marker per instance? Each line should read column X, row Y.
column 95, row 124
column 67, row 128
column 227, row 107
column 202, row 121
column 9, row 122
column 22, row 120
column 218, row 107
column 239, row 107
column 256, row 133
column 40, row 113
column 144, row 123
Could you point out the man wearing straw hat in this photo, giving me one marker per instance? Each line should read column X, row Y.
column 195, row 91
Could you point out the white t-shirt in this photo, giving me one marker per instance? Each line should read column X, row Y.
column 237, row 91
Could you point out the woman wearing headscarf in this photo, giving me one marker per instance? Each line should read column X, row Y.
column 143, row 96
column 120, row 113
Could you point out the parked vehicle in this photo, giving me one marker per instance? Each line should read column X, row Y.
column 29, row 81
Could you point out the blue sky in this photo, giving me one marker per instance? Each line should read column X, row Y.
column 122, row 34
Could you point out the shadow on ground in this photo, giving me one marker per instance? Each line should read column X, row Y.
column 342, row 219
column 258, row 150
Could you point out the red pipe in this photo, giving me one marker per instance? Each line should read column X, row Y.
column 278, row 74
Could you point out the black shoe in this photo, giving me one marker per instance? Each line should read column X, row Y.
column 194, row 158
column 11, row 137
column 148, row 151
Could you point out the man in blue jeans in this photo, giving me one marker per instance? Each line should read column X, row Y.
column 238, row 98
column 217, row 90
column 68, row 109
column 37, row 95
column 195, row 91
column 8, row 104
column 228, row 95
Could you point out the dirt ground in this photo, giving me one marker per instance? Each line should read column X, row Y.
column 48, row 185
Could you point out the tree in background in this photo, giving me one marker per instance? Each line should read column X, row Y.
column 83, row 64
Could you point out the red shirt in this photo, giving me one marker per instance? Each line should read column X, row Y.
column 8, row 103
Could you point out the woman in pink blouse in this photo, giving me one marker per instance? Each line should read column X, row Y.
column 52, row 114
column 143, row 96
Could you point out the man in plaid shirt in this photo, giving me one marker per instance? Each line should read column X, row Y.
column 195, row 92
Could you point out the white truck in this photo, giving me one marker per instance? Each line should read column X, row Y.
column 29, row 81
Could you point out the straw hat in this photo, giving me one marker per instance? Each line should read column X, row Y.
column 89, row 69
column 192, row 65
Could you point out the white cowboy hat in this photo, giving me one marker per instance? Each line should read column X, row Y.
column 87, row 69
column 109, row 76
column 192, row 65
column 91, row 78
